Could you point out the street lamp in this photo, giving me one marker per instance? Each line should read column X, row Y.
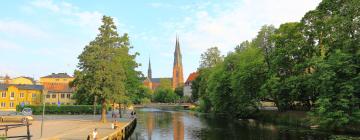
column 43, row 113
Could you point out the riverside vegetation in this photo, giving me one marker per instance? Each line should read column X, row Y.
column 312, row 65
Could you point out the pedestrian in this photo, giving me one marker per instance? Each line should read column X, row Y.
column 95, row 134
column 113, row 115
column 132, row 114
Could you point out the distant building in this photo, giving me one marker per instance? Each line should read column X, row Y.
column 23, row 81
column 176, row 80
column 187, row 85
column 58, row 89
column 5, row 79
column 57, row 78
column 17, row 94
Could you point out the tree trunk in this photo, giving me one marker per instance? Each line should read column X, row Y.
column 103, row 111
column 120, row 114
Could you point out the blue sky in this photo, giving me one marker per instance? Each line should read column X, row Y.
column 46, row 36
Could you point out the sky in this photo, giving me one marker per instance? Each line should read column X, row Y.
column 41, row 37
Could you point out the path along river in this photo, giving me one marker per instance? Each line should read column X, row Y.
column 165, row 124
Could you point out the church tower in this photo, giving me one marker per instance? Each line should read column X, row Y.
column 149, row 71
column 178, row 78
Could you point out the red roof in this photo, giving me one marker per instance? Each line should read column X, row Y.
column 57, row 87
column 192, row 77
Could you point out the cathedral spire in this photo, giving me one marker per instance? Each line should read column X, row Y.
column 149, row 70
column 178, row 78
column 177, row 53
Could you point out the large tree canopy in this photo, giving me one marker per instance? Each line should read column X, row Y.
column 106, row 69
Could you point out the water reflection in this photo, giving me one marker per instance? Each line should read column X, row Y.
column 160, row 124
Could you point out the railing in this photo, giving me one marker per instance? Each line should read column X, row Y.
column 6, row 127
column 120, row 133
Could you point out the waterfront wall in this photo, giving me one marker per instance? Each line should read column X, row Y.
column 122, row 133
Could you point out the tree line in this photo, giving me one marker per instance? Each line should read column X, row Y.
column 312, row 65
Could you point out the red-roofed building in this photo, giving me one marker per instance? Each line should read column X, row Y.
column 187, row 85
column 59, row 91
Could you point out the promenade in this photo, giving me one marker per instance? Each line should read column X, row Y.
column 67, row 127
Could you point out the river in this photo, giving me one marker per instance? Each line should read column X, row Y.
column 165, row 124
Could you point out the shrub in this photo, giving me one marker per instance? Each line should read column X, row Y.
column 63, row 109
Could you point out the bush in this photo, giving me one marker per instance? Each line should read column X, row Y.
column 165, row 95
column 63, row 109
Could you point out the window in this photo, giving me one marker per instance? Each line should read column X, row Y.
column 34, row 95
column 12, row 95
column 11, row 104
column 3, row 104
column 62, row 95
column 47, row 96
column 3, row 94
column 54, row 96
column 68, row 96
column 21, row 95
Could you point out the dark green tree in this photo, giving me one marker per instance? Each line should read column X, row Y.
column 102, row 69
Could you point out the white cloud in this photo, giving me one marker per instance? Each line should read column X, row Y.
column 48, row 4
column 16, row 28
column 6, row 46
column 73, row 15
column 239, row 22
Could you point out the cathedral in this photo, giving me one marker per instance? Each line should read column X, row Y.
column 177, row 78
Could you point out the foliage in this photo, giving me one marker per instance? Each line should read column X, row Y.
column 311, row 65
column 165, row 95
column 165, row 83
column 106, row 69
column 210, row 58
column 63, row 109
column 179, row 91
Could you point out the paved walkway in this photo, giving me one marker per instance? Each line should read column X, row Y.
column 66, row 127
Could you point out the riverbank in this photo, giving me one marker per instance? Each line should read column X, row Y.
column 299, row 119
column 293, row 119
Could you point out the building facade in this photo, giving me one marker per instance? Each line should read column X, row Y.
column 176, row 80
column 188, row 83
column 20, row 94
column 58, row 89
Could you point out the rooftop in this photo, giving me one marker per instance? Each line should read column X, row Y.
column 58, row 75
column 20, row 86
column 192, row 77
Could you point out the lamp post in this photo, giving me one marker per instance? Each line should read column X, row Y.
column 94, row 106
column 43, row 113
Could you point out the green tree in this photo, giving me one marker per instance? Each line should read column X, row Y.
column 165, row 95
column 179, row 91
column 101, row 66
column 210, row 57
column 332, row 30
column 264, row 41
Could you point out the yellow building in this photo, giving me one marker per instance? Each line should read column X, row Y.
column 17, row 94
column 58, row 89
column 23, row 80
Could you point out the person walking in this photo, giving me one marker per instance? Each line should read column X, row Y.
column 94, row 134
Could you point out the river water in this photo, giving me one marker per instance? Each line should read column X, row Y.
column 160, row 124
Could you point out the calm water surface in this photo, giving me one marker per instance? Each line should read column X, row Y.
column 159, row 124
